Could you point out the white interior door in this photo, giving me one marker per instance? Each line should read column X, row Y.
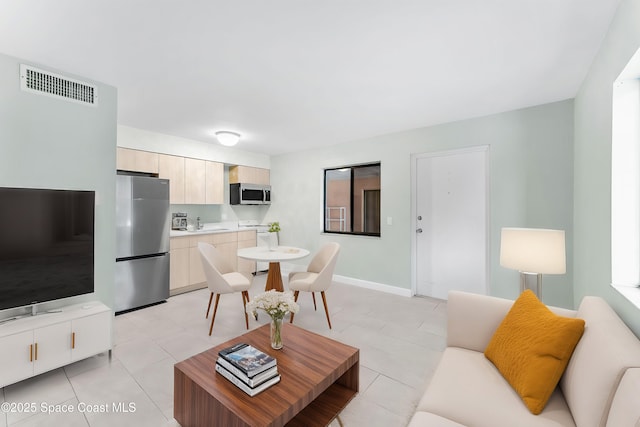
column 451, row 222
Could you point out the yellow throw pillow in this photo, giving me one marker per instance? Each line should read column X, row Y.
column 531, row 349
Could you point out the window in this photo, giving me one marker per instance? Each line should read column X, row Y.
column 625, row 182
column 352, row 200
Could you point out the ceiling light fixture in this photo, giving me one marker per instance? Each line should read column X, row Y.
column 227, row 138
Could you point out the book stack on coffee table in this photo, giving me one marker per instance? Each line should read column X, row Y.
column 248, row 368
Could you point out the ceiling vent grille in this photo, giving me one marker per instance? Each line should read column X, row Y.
column 57, row 86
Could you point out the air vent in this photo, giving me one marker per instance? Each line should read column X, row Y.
column 51, row 84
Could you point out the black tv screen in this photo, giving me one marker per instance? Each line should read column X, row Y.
column 46, row 245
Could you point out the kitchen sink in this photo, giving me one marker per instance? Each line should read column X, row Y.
column 209, row 230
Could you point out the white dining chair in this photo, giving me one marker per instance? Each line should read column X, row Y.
column 222, row 279
column 318, row 276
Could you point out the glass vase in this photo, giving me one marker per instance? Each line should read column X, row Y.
column 276, row 333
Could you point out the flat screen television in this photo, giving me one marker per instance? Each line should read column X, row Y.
column 46, row 245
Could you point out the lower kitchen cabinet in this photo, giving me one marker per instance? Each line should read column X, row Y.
column 32, row 345
column 246, row 239
column 179, row 262
column 187, row 272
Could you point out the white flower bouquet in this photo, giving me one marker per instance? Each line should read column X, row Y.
column 275, row 304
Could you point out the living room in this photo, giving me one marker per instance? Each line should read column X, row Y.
column 550, row 167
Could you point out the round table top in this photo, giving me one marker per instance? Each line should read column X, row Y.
column 277, row 254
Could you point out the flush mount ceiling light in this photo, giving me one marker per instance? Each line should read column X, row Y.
column 227, row 138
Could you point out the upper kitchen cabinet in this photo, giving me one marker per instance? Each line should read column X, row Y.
column 195, row 181
column 173, row 169
column 214, row 183
column 192, row 181
column 136, row 160
column 248, row 175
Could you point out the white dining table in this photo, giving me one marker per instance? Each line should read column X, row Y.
column 273, row 256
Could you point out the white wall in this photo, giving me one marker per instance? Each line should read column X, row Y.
column 531, row 172
column 592, row 158
column 51, row 143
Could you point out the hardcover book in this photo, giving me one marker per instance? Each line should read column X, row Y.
column 244, row 387
column 256, row 380
column 248, row 359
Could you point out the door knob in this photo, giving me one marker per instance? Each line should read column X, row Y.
column 419, row 230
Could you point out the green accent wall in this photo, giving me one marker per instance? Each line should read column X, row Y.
column 592, row 159
column 52, row 143
column 531, row 180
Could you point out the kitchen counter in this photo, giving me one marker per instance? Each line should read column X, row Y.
column 208, row 228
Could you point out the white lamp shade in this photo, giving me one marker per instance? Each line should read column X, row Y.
column 533, row 250
column 227, row 138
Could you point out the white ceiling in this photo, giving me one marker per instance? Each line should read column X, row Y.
column 295, row 74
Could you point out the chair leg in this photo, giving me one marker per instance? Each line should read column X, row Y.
column 209, row 306
column 245, row 300
column 326, row 310
column 215, row 309
column 314, row 301
column 295, row 298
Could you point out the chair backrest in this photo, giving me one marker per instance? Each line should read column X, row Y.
column 215, row 266
column 323, row 263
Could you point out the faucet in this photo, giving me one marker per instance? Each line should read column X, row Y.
column 199, row 225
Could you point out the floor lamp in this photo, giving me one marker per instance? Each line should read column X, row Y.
column 533, row 252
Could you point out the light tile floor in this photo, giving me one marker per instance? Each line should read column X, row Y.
column 400, row 341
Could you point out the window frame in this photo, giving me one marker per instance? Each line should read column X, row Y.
column 350, row 217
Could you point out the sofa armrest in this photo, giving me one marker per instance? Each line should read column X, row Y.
column 472, row 319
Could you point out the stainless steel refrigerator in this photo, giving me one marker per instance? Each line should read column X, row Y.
column 142, row 241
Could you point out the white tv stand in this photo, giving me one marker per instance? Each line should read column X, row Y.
column 31, row 345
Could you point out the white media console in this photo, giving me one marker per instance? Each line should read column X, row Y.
column 31, row 345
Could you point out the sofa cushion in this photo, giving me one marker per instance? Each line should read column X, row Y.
column 602, row 356
column 427, row 419
column 625, row 410
column 531, row 349
column 467, row 388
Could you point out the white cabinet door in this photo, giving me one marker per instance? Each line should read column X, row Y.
column 51, row 347
column 90, row 335
column 16, row 355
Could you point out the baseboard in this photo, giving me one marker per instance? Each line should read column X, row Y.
column 372, row 285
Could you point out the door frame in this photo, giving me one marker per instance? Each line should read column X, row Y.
column 414, row 166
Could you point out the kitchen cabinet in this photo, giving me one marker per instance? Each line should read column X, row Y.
column 195, row 181
column 226, row 243
column 136, row 160
column 248, row 175
column 192, row 181
column 32, row 345
column 214, row 183
column 187, row 272
column 246, row 239
column 173, row 169
column 179, row 262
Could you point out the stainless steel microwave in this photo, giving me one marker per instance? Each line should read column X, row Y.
column 249, row 194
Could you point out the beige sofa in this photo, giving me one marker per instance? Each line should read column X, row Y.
column 600, row 387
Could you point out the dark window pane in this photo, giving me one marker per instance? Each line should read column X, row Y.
column 352, row 200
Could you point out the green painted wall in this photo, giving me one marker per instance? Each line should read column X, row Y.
column 592, row 158
column 50, row 143
column 531, row 172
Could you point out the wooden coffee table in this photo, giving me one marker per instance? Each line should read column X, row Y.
column 319, row 377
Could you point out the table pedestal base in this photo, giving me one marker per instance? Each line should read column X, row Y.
column 274, row 278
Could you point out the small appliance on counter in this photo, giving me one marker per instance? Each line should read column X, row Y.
column 179, row 221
